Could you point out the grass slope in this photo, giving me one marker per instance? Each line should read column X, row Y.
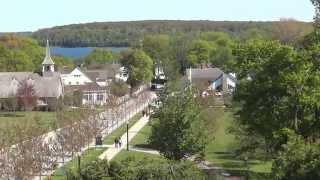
column 121, row 130
column 220, row 151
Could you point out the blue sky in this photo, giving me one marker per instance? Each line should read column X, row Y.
column 30, row 15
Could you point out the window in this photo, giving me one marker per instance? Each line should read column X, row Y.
column 77, row 82
column 69, row 83
column 86, row 97
column 99, row 97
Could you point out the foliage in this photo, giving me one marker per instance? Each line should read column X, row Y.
column 139, row 65
column 156, row 46
column 178, row 130
column 276, row 90
column 221, row 55
column 63, row 62
column 297, row 160
column 119, row 88
column 199, row 53
column 126, row 33
column 146, row 168
column 98, row 57
column 24, row 54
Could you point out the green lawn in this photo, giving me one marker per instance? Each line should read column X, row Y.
column 220, row 151
column 141, row 139
column 43, row 119
column 121, row 130
column 124, row 154
column 89, row 156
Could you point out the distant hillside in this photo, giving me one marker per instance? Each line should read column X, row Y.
column 101, row 34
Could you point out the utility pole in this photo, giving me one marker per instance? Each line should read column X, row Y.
column 79, row 164
column 127, row 135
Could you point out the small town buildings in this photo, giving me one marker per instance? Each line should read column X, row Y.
column 93, row 83
column 212, row 79
column 48, row 87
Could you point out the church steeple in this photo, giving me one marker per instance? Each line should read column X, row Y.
column 48, row 64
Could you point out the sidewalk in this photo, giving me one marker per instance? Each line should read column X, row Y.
column 113, row 151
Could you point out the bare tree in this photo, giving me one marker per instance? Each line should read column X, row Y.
column 26, row 95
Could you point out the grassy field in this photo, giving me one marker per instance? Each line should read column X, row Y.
column 121, row 130
column 89, row 156
column 141, row 139
column 43, row 119
column 220, row 151
column 124, row 154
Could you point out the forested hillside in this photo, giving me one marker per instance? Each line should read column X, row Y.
column 101, row 34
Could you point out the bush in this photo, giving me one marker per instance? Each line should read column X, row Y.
column 298, row 160
column 145, row 169
column 119, row 88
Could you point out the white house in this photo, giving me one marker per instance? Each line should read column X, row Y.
column 93, row 83
column 75, row 77
column 212, row 78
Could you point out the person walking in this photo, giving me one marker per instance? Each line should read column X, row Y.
column 120, row 142
column 116, row 142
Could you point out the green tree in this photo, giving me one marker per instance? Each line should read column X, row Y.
column 63, row 62
column 139, row 65
column 119, row 88
column 98, row 57
column 276, row 90
column 20, row 54
column 297, row 160
column 199, row 53
column 156, row 46
column 221, row 55
column 178, row 129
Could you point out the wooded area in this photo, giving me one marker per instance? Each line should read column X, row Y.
column 102, row 34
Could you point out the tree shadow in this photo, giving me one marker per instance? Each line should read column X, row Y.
column 147, row 146
column 11, row 114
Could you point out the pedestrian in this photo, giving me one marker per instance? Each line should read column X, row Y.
column 120, row 142
column 116, row 142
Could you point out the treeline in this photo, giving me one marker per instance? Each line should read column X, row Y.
column 19, row 53
column 102, row 34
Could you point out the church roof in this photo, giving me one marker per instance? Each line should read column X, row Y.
column 44, row 86
column 48, row 60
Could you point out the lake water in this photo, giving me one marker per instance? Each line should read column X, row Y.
column 79, row 52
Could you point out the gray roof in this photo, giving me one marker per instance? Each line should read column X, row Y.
column 88, row 87
column 47, row 59
column 207, row 74
column 103, row 74
column 199, row 75
column 44, row 86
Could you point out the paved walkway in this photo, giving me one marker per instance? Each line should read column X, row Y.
column 113, row 151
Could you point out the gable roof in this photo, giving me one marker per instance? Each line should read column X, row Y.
column 103, row 74
column 88, row 87
column 207, row 74
column 44, row 86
